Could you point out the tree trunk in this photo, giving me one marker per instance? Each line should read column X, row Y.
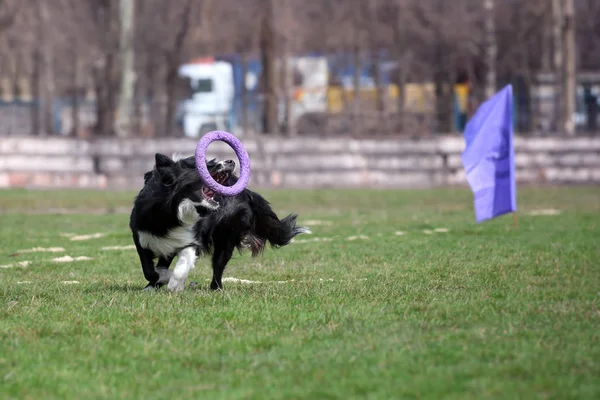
column 244, row 94
column 99, row 90
column 105, row 99
column 379, row 99
column 491, row 48
column 104, row 73
column 149, row 95
column 405, row 58
column 356, row 125
column 108, row 117
column 557, row 19
column 47, row 72
column 173, row 59
column 49, row 91
column 267, row 47
column 36, row 116
column 288, row 83
column 570, row 73
column 288, row 71
column 443, row 96
column 128, row 76
column 7, row 20
column 75, row 85
column 170, row 84
column 546, row 50
column 402, row 75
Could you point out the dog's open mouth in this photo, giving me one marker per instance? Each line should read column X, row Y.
column 221, row 178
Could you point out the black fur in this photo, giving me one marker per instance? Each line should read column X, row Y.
column 223, row 223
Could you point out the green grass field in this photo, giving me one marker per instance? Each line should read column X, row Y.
column 397, row 294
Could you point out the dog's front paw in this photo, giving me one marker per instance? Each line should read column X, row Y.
column 176, row 285
column 150, row 288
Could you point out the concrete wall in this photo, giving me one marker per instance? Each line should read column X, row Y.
column 298, row 163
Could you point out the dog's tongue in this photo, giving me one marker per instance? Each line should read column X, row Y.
column 207, row 192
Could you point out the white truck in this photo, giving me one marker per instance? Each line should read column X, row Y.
column 215, row 92
column 211, row 100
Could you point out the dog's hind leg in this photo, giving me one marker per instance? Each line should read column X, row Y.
column 185, row 262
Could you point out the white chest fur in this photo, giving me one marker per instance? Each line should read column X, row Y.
column 177, row 238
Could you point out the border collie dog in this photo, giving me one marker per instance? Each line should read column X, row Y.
column 175, row 214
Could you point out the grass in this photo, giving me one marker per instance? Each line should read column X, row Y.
column 481, row 311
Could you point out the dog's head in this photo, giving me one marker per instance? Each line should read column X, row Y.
column 179, row 175
column 165, row 172
column 221, row 172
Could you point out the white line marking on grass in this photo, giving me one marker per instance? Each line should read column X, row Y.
column 23, row 282
column 314, row 222
column 441, row 230
column 42, row 250
column 549, row 211
column 237, row 280
column 70, row 282
column 88, row 237
column 361, row 237
column 400, row 233
column 22, row 264
column 427, row 232
column 68, row 258
column 248, row 282
column 128, row 247
column 312, row 240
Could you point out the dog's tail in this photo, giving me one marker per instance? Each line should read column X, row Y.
column 281, row 232
column 270, row 228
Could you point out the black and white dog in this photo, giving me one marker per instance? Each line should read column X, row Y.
column 175, row 214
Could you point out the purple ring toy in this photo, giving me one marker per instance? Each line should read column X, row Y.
column 241, row 154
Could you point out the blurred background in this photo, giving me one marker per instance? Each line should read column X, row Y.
column 361, row 69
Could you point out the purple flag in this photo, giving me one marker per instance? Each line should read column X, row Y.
column 489, row 157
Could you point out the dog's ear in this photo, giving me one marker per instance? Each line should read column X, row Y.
column 162, row 161
column 147, row 176
column 212, row 162
column 189, row 162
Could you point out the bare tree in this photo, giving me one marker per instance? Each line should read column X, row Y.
column 570, row 78
column 559, row 71
column 8, row 11
column 267, row 45
column 47, row 89
column 491, row 48
column 173, row 57
column 103, row 17
column 128, row 75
